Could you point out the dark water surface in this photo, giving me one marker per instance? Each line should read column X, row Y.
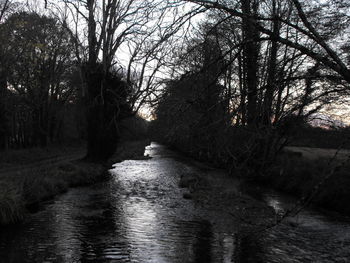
column 140, row 216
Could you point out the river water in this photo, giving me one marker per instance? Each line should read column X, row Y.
column 139, row 215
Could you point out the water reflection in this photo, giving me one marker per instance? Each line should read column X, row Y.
column 310, row 236
column 161, row 226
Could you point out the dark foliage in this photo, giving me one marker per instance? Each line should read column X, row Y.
column 107, row 104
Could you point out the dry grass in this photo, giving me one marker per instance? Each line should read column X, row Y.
column 319, row 153
column 27, row 156
column 299, row 176
column 41, row 183
column 11, row 204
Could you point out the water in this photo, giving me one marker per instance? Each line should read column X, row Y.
column 310, row 236
column 140, row 216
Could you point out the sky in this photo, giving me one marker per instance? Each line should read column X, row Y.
column 340, row 112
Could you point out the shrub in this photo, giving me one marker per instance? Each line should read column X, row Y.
column 11, row 204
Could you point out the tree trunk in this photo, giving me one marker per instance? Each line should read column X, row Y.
column 243, row 95
column 94, row 95
column 250, row 58
column 102, row 115
column 94, row 115
column 3, row 112
column 271, row 78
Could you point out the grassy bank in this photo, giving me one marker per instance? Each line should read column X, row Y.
column 27, row 188
column 299, row 176
column 22, row 157
column 294, row 174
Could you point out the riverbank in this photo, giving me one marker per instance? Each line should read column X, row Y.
column 217, row 191
column 21, row 158
column 299, row 172
column 23, row 190
column 300, row 176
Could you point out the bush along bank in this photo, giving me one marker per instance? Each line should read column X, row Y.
column 23, row 191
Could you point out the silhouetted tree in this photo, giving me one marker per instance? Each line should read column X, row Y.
column 4, row 121
column 276, row 69
column 38, row 60
column 111, row 25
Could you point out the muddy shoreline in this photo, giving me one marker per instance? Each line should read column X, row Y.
column 215, row 190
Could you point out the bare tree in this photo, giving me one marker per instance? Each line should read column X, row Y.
column 276, row 71
column 104, row 30
column 322, row 51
